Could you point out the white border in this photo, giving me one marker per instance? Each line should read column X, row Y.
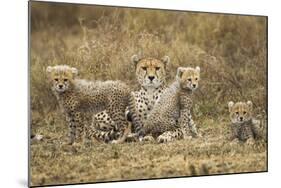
column 13, row 100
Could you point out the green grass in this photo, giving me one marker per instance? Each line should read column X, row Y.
column 230, row 50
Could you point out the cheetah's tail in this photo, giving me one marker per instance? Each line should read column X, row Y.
column 123, row 137
column 104, row 136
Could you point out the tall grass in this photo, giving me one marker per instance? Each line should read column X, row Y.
column 230, row 49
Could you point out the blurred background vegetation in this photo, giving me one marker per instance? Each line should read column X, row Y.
column 230, row 49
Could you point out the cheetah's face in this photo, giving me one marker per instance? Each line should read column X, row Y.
column 150, row 72
column 61, row 77
column 240, row 111
column 188, row 77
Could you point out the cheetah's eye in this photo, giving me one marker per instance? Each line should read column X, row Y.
column 65, row 80
column 144, row 68
column 157, row 68
column 237, row 113
column 189, row 79
column 196, row 79
column 56, row 79
column 244, row 112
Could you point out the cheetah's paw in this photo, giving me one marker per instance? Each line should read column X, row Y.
column 147, row 139
column 115, row 142
column 163, row 139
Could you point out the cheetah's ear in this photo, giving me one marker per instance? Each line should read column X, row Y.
column 230, row 105
column 135, row 59
column 49, row 69
column 250, row 105
column 197, row 69
column 165, row 60
column 74, row 71
column 180, row 71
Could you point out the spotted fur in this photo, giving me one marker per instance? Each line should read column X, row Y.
column 243, row 126
column 151, row 76
column 79, row 98
column 171, row 117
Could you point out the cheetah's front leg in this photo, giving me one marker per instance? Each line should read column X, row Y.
column 71, row 130
column 187, row 121
column 117, row 113
column 193, row 128
column 75, row 124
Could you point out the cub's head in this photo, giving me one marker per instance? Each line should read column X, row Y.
column 150, row 72
column 240, row 111
column 188, row 77
column 61, row 77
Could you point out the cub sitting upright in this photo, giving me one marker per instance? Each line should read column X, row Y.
column 79, row 98
column 243, row 126
column 171, row 117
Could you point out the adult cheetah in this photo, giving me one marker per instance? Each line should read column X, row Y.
column 151, row 77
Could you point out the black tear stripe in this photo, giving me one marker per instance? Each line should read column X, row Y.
column 156, row 74
column 145, row 74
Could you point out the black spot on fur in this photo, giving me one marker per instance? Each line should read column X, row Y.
column 129, row 117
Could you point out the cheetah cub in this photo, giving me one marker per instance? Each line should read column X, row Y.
column 243, row 126
column 79, row 99
column 171, row 117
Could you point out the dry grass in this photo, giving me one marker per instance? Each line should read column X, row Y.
column 55, row 163
column 231, row 51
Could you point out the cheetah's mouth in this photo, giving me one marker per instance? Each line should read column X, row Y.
column 152, row 83
column 60, row 90
column 239, row 121
column 192, row 87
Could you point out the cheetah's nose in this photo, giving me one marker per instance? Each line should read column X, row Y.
column 60, row 86
column 194, row 85
column 151, row 78
column 241, row 118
